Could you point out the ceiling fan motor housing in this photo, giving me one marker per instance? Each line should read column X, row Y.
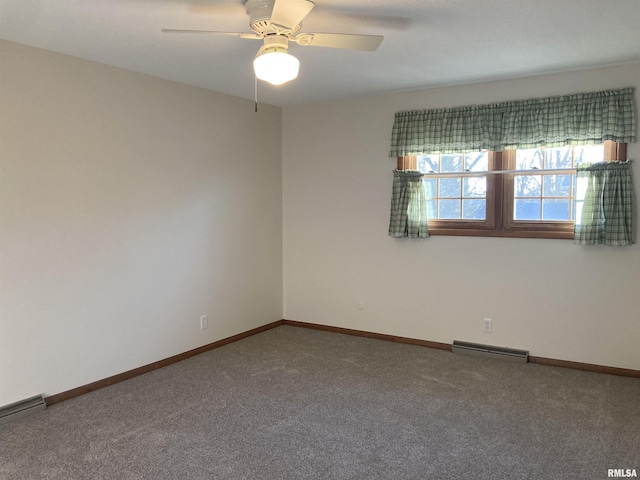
column 259, row 12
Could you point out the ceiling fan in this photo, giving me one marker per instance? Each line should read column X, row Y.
column 278, row 22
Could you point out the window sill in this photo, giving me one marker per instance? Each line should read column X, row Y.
column 470, row 232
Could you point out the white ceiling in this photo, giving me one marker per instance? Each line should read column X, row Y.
column 426, row 43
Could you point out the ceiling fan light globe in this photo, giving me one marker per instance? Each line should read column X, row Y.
column 276, row 67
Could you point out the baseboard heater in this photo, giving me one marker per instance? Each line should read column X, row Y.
column 488, row 351
column 22, row 409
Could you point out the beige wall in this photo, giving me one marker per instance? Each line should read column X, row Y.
column 129, row 206
column 551, row 297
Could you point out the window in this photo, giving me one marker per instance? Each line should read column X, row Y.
column 532, row 193
column 453, row 197
column 530, row 150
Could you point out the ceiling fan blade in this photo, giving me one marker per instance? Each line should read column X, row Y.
column 212, row 32
column 367, row 43
column 289, row 13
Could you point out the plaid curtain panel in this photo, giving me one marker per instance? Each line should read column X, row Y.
column 605, row 191
column 580, row 119
column 408, row 205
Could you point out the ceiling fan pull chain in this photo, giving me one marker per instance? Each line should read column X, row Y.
column 255, row 93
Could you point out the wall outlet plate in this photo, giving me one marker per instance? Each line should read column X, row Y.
column 487, row 325
column 204, row 322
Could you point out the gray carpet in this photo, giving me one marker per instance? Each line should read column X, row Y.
column 293, row 403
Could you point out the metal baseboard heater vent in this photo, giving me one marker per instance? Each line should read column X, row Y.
column 488, row 351
column 22, row 409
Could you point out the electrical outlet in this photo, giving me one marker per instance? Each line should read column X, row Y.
column 487, row 325
column 204, row 322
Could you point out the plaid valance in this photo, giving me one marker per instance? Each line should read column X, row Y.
column 579, row 119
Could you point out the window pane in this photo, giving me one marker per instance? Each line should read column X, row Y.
column 527, row 209
column 580, row 188
column 428, row 163
column 451, row 163
column 430, row 187
column 474, row 209
column 580, row 185
column 558, row 158
column 527, row 185
column 449, row 209
column 474, row 187
column 450, row 187
column 555, row 209
column 588, row 153
column 526, row 159
column 476, row 161
column 556, row 185
column 577, row 212
column 431, row 209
